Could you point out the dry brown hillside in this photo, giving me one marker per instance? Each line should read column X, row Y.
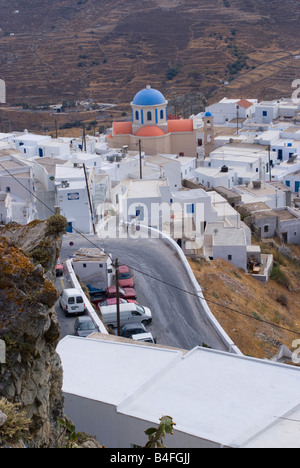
column 266, row 315
column 108, row 50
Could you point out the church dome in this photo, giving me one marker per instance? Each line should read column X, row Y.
column 148, row 97
column 150, row 131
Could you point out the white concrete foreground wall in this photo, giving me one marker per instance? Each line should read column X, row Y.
column 116, row 390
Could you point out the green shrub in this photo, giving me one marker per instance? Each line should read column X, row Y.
column 280, row 276
column 56, row 225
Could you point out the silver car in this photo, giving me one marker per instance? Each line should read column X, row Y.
column 84, row 326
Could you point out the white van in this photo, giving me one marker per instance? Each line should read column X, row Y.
column 72, row 302
column 129, row 313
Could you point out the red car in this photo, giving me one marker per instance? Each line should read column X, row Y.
column 125, row 277
column 111, row 301
column 59, row 267
column 125, row 293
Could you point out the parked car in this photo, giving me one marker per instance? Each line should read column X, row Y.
column 111, row 301
column 125, row 293
column 132, row 329
column 71, row 301
column 125, row 277
column 137, row 332
column 124, row 272
column 84, row 326
column 59, row 267
column 126, row 283
column 96, row 294
column 129, row 313
column 146, row 337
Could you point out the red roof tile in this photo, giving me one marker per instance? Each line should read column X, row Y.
column 180, row 125
column 150, row 131
column 122, row 128
column 244, row 103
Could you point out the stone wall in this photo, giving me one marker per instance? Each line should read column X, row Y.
column 32, row 374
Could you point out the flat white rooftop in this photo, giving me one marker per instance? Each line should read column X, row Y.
column 226, row 235
column 109, row 371
column 232, row 400
column 145, row 188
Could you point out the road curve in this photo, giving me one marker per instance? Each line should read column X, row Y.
column 178, row 319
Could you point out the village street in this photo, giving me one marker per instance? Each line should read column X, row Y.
column 177, row 316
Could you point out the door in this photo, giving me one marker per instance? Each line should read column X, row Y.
column 297, row 187
column 69, row 227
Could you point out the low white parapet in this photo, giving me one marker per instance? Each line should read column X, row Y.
column 90, row 309
column 232, row 348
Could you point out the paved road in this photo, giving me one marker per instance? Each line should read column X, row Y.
column 177, row 317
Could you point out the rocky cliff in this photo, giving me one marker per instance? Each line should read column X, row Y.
column 32, row 374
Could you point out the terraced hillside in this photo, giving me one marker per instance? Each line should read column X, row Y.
column 52, row 50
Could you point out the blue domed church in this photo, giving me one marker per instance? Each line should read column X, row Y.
column 151, row 126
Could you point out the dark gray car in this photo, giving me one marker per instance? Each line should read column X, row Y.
column 132, row 329
column 84, row 326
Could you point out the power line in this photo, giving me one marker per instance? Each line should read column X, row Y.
column 159, row 279
column 50, row 209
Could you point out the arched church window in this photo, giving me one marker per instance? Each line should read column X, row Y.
column 161, row 114
column 149, row 115
column 136, row 115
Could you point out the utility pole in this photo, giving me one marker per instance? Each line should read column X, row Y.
column 140, row 151
column 89, row 197
column 116, row 265
column 83, row 140
column 56, row 130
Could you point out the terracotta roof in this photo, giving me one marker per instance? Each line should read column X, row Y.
column 150, row 131
column 180, row 125
column 122, row 128
column 244, row 103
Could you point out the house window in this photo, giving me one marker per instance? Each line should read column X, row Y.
column 265, row 113
column 266, row 229
column 190, row 208
column 181, row 154
column 149, row 115
column 84, row 265
column 139, row 213
column 229, row 258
